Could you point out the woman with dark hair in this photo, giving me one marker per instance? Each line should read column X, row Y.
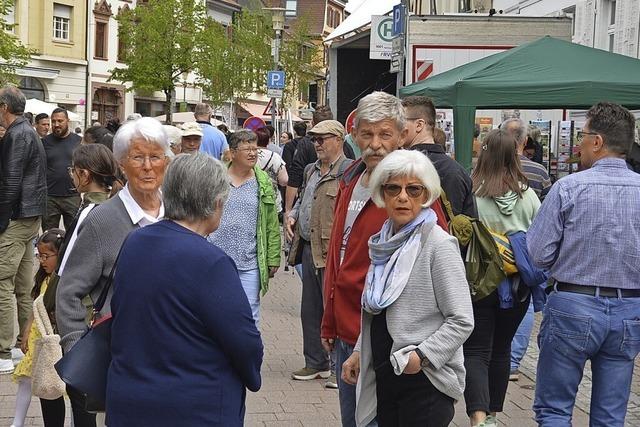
column 506, row 205
column 98, row 135
column 272, row 163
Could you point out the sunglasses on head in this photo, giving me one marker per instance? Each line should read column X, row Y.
column 413, row 190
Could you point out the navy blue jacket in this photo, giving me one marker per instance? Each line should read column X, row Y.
column 184, row 343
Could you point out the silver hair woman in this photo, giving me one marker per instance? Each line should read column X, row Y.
column 169, row 271
column 141, row 149
column 416, row 308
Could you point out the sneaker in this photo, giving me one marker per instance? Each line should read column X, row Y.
column 306, row 374
column 6, row 366
column 332, row 382
column 16, row 354
column 514, row 376
column 490, row 421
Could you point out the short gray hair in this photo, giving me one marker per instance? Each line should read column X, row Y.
column 14, row 99
column 149, row 129
column 202, row 109
column 193, row 185
column 405, row 163
column 240, row 136
column 378, row 106
column 518, row 131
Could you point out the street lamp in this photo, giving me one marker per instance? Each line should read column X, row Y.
column 277, row 21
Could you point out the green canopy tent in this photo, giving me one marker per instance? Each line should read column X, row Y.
column 547, row 73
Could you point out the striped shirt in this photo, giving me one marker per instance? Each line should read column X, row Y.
column 587, row 231
column 537, row 175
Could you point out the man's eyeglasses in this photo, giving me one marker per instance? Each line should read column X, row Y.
column 581, row 135
column 413, row 190
column 70, row 170
column 155, row 160
column 44, row 257
column 321, row 139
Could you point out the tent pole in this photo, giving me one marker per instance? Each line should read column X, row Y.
column 463, row 126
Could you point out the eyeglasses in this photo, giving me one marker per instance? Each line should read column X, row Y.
column 155, row 160
column 413, row 190
column 581, row 135
column 321, row 139
column 44, row 257
column 414, row 118
column 71, row 169
column 248, row 150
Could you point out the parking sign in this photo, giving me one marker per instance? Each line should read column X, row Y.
column 275, row 80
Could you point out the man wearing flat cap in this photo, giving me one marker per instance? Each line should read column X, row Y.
column 191, row 137
column 309, row 224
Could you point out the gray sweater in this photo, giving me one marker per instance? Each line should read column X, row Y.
column 434, row 313
column 100, row 237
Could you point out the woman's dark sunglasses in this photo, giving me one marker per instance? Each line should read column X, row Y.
column 413, row 190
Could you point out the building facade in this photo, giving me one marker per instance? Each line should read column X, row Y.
column 56, row 30
column 612, row 25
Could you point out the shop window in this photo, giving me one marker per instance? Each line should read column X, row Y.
column 61, row 22
column 10, row 17
column 32, row 88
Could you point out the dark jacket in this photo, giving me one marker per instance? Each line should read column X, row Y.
column 174, row 290
column 23, row 174
column 306, row 154
column 288, row 152
column 454, row 179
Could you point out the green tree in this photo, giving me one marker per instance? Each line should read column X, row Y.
column 237, row 65
column 162, row 39
column 299, row 59
column 13, row 54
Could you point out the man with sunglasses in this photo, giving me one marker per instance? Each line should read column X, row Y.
column 454, row 179
column 23, row 201
column 587, row 233
column 312, row 217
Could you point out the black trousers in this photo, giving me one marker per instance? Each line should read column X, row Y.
column 410, row 400
column 487, row 353
column 81, row 418
column 53, row 412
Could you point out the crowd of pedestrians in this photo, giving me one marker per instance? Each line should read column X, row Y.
column 387, row 233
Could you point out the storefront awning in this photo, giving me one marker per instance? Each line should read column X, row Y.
column 250, row 109
column 40, row 73
column 362, row 16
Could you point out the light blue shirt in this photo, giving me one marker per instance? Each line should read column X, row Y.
column 587, row 231
column 214, row 142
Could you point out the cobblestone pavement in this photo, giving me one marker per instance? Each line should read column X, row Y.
column 284, row 402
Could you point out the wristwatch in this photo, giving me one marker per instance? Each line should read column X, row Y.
column 424, row 362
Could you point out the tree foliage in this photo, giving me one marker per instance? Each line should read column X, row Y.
column 13, row 54
column 166, row 38
column 162, row 39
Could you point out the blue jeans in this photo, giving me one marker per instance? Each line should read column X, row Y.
column 346, row 392
column 575, row 328
column 251, row 284
column 520, row 341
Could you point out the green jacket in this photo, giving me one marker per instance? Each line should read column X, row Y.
column 268, row 233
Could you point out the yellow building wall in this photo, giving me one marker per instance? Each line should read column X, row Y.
column 40, row 28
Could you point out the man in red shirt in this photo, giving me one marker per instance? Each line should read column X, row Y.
column 379, row 129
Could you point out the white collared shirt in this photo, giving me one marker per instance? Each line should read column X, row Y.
column 137, row 215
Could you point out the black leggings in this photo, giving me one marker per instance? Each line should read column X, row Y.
column 410, row 400
column 53, row 412
column 81, row 418
column 487, row 353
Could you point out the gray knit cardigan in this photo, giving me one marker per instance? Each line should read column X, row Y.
column 100, row 237
column 433, row 312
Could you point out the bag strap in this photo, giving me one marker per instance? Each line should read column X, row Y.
column 102, row 298
column 268, row 161
column 41, row 318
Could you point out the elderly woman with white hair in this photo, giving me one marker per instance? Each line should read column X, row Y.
column 142, row 150
column 416, row 307
column 169, row 271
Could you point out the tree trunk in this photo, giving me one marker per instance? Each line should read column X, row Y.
column 168, row 107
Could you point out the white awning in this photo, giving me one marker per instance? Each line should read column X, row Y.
column 41, row 73
column 362, row 16
column 35, row 107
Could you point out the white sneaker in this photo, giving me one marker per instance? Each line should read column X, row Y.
column 6, row 366
column 16, row 355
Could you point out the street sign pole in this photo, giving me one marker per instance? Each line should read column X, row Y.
column 403, row 26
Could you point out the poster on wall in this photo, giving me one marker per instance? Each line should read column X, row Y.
column 485, row 125
column 545, row 138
